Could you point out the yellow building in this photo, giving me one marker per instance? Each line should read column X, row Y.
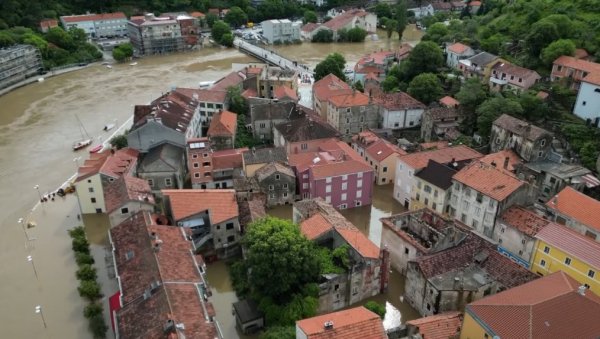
column 431, row 187
column 559, row 248
column 536, row 309
column 379, row 153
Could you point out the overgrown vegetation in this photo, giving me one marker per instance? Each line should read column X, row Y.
column 88, row 286
column 119, row 141
column 238, row 105
column 334, row 63
column 123, row 52
column 376, row 308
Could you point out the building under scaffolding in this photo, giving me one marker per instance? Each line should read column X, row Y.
column 166, row 34
column 18, row 63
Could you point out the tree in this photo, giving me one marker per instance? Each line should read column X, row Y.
column 80, row 245
column 426, row 87
column 86, row 272
column 534, row 108
column 211, row 18
column 334, row 64
column 6, row 40
column 89, row 289
column 98, row 326
column 119, row 141
column 323, row 35
column 401, row 18
column 436, row 33
column 123, row 52
column 376, row 308
column 589, row 154
column 83, row 259
column 227, row 40
column 236, row 17
column 556, row 49
column 391, row 26
column 426, row 57
column 219, row 29
column 237, row 103
column 541, row 34
column 390, row 84
column 471, row 94
column 356, row 34
column 383, row 10
column 60, row 38
column 359, row 86
column 492, row 109
column 310, row 16
column 281, row 261
column 92, row 310
column 279, row 332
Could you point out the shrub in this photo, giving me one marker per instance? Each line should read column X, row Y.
column 89, row 289
column 98, row 326
column 77, row 232
column 376, row 308
column 81, row 245
column 86, row 272
column 92, row 310
column 83, row 259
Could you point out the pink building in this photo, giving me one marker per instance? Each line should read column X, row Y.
column 336, row 173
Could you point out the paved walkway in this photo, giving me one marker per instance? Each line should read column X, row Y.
column 35, row 78
column 272, row 57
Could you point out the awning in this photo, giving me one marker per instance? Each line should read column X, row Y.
column 590, row 180
column 114, row 303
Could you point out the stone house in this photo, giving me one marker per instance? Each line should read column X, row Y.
column 528, row 141
column 479, row 65
column 127, row 196
column 257, row 158
column 350, row 19
column 506, row 76
column 416, row 233
column 326, row 88
column 576, row 211
column 248, row 318
column 549, row 177
column 443, row 325
column 98, row 172
column 352, row 113
column 213, row 169
column 440, row 123
column 265, row 114
column 456, row 52
column 432, row 187
column 277, row 182
column 481, row 192
column 367, row 275
column 515, row 233
column 398, row 110
column 450, row 279
column 211, row 101
column 163, row 167
column 379, row 153
column 211, row 215
column 222, row 130
column 303, row 134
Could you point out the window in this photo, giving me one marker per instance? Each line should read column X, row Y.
column 418, row 184
column 196, row 175
column 542, row 262
column 406, row 251
column 344, row 177
column 229, row 226
column 477, row 211
column 344, row 186
column 328, row 189
column 93, row 200
column 465, row 205
column 347, row 120
column 305, row 185
column 591, row 273
column 304, row 146
column 357, row 203
column 328, row 180
column 523, row 241
column 540, row 154
column 328, row 199
column 567, row 261
column 359, row 183
column 475, row 224
column 194, row 156
column 427, row 189
column 384, row 169
column 196, row 165
column 262, row 125
column 546, row 249
column 435, row 193
column 347, row 131
column 168, row 182
column 231, row 238
column 468, row 192
column 359, row 194
column 463, row 218
column 418, row 197
column 272, row 196
column 205, row 155
column 271, row 187
column 434, row 206
column 456, row 186
column 344, row 196
column 285, row 186
column 343, row 206
column 426, row 201
column 479, row 197
column 285, row 194
column 491, row 203
column 359, row 175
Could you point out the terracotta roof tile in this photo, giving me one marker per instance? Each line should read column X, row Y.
column 231, row 79
column 282, row 92
column 221, row 203
column 439, row 326
column 458, row 48
column 315, row 226
column 449, row 101
column 272, row 168
column 382, row 149
column 592, row 78
column 175, row 110
column 488, row 180
column 398, row 101
column 355, row 98
column 223, row 124
column 520, row 127
column 549, row 307
column 197, row 14
column 523, row 220
column 571, row 242
column 329, row 86
column 578, row 206
column 517, row 71
column 250, row 93
column 307, row 127
column 354, row 323
column 340, row 168
column 499, row 158
column 94, row 17
column 113, row 165
column 126, row 189
column 578, row 64
column 359, row 242
column 228, row 159
column 204, row 95
column 458, row 153
column 309, row 27
column 343, row 19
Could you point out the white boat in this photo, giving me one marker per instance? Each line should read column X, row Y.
column 40, row 79
column 205, row 84
column 85, row 140
column 108, row 127
column 108, row 66
column 133, row 64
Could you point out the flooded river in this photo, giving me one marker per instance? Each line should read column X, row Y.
column 38, row 124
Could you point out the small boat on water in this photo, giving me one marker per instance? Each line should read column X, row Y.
column 40, row 79
column 108, row 66
column 108, row 127
column 96, row 149
column 81, row 144
column 133, row 64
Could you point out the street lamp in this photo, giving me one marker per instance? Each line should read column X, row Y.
column 22, row 222
column 37, row 188
column 38, row 310
column 30, row 259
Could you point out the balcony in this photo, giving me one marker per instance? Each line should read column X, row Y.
column 498, row 81
column 199, row 242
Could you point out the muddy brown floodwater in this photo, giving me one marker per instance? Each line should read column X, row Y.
column 37, row 127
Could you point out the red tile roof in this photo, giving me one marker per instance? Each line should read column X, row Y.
column 449, row 101
column 578, row 64
column 592, row 78
column 349, row 100
column 309, row 27
column 354, row 323
column 578, row 206
column 282, row 92
column 198, row 14
column 345, row 18
column 228, row 159
column 488, row 180
column 458, row 48
column 439, row 326
column 571, row 242
column 581, row 53
column 542, row 95
column 443, row 156
column 329, row 86
column 382, row 149
column 398, row 101
column 359, row 242
column 175, row 109
column 549, row 307
column 220, row 203
column 94, row 17
column 315, row 226
column 250, row 93
column 48, row 23
column 223, row 124
column 107, row 163
column 500, row 157
column 204, row 95
column 523, row 220
column 126, row 189
column 231, row 79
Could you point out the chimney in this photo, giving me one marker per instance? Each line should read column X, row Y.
column 253, row 150
column 506, row 159
column 493, row 163
column 581, row 290
column 555, row 201
column 328, row 325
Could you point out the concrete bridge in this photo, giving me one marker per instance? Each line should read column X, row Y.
column 271, row 57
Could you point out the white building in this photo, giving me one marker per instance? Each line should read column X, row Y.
column 104, row 25
column 422, row 11
column 456, row 52
column 279, row 31
column 399, row 110
column 587, row 105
